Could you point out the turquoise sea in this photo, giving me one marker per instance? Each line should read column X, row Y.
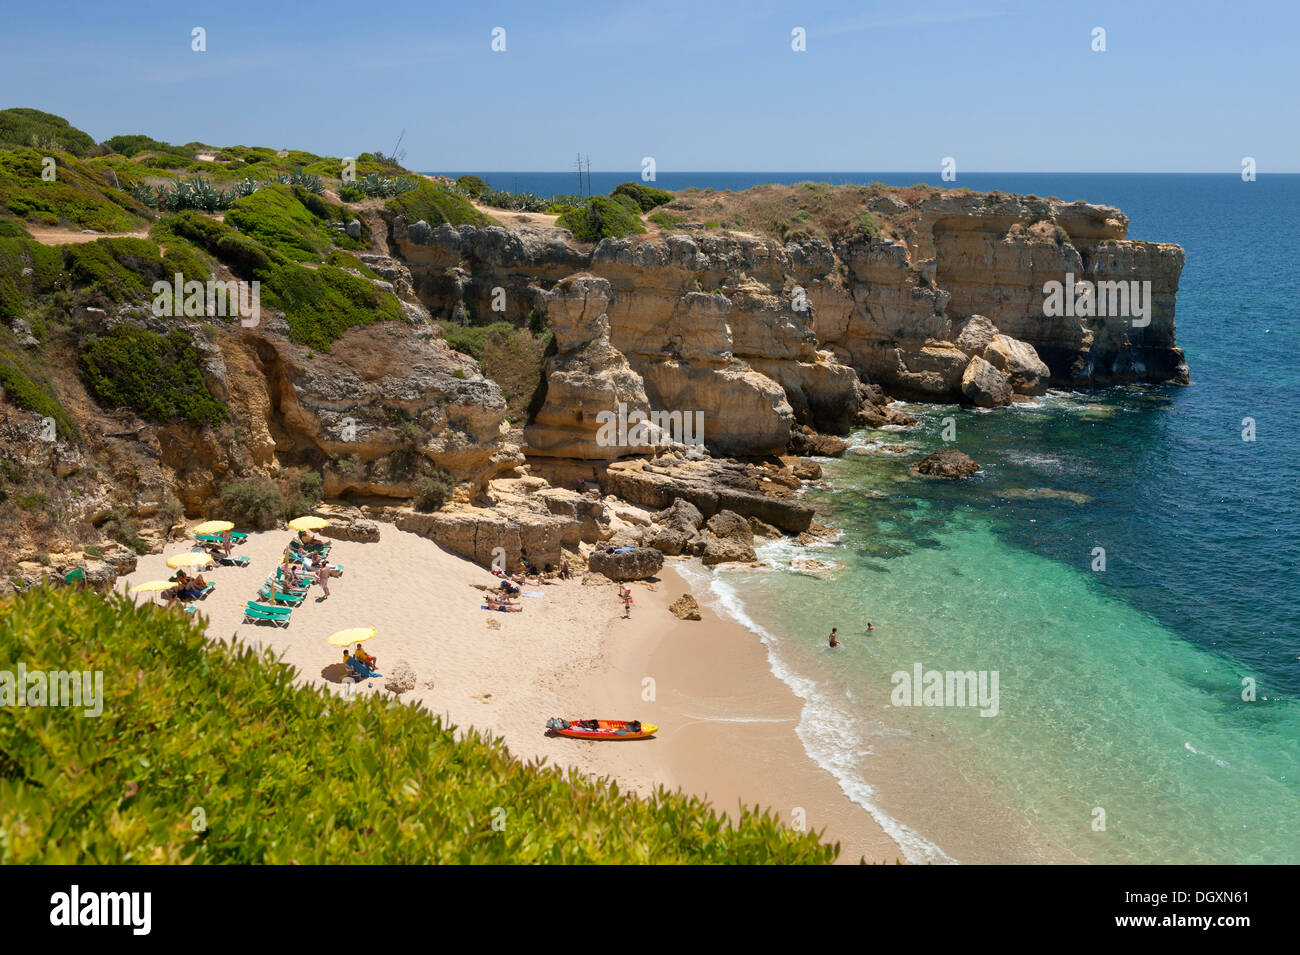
column 1121, row 690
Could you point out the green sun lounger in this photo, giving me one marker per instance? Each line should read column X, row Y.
column 279, row 616
column 278, row 596
column 235, row 537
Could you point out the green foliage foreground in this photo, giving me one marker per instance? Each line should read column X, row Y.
column 284, row 773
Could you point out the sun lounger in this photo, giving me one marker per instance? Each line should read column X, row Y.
column 255, row 612
column 236, row 538
column 280, row 597
column 224, row 561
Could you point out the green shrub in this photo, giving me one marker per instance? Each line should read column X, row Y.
column 158, row 376
column 24, row 390
column 11, row 229
column 432, row 491
column 18, row 291
column 309, row 492
column 472, row 185
column 321, row 304
column 247, row 258
column 435, row 205
column 600, row 218
column 470, row 339
column 276, row 217
column 23, row 126
column 667, row 220
column 289, row 773
column 122, row 527
column 139, row 143
column 867, row 228
column 78, row 196
column 627, row 202
column 646, row 197
column 253, row 502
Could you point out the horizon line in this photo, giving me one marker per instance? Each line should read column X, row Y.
column 874, row 172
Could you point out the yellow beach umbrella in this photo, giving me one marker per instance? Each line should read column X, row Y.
column 311, row 523
column 345, row 638
column 214, row 527
column 152, row 587
column 191, row 559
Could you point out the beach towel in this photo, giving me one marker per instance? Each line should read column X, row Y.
column 533, row 593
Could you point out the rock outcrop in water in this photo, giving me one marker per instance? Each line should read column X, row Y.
column 764, row 337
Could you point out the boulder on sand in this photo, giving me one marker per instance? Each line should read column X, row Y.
column 635, row 563
column 686, row 607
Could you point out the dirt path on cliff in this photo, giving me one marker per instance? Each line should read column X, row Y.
column 48, row 235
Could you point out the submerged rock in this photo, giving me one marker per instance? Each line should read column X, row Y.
column 946, row 463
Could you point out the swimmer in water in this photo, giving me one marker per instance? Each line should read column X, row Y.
column 869, row 626
column 834, row 633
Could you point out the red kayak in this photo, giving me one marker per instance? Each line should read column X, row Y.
column 601, row 729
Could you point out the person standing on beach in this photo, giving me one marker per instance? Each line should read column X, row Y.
column 834, row 633
column 626, row 594
column 323, row 578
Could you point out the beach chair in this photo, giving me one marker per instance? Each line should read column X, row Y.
column 235, row 538
column 260, row 613
column 282, row 582
column 280, row 596
column 242, row 561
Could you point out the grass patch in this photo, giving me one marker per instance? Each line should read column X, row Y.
column 220, row 727
column 246, row 257
column 321, row 304
column 23, row 126
column 13, row 229
column 158, row 376
column 18, row 291
column 281, row 218
column 435, row 205
column 25, row 389
column 124, row 270
column 78, row 197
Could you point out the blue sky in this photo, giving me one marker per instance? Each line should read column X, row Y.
column 700, row 86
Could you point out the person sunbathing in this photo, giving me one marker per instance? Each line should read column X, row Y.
column 195, row 586
column 310, row 541
column 500, row 603
column 366, row 658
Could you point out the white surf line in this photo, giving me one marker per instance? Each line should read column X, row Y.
column 915, row 847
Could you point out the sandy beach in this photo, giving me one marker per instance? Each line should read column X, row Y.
column 727, row 723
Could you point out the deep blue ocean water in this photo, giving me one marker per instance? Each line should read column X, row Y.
column 1121, row 689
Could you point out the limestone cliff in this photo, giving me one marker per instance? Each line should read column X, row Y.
column 762, row 336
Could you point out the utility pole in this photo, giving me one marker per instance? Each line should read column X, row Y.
column 589, row 192
column 578, row 163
